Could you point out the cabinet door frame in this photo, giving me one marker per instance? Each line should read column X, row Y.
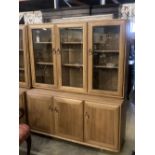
column 83, row 25
column 34, row 83
column 122, row 61
column 50, row 108
column 116, row 111
column 27, row 75
column 57, row 102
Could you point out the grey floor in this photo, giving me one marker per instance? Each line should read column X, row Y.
column 48, row 146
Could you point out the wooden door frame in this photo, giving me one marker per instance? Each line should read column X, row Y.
column 34, row 83
column 62, row 100
column 70, row 25
column 27, row 75
column 122, row 53
column 117, row 110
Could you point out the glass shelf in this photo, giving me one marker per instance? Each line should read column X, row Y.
column 106, row 51
column 72, row 43
column 43, row 42
column 73, row 65
column 44, row 63
column 105, row 67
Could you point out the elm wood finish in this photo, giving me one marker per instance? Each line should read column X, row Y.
column 74, row 25
column 40, row 113
column 107, row 135
column 35, row 84
column 68, row 118
column 25, row 51
column 101, row 124
column 121, row 64
column 117, row 82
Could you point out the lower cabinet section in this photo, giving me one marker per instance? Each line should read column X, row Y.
column 92, row 123
column 101, row 124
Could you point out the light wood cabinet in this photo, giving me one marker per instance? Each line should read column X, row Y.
column 79, row 70
column 24, row 63
column 101, row 124
column 40, row 113
column 68, row 118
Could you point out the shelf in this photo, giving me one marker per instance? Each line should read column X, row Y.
column 21, row 69
column 72, row 42
column 44, row 63
column 43, row 42
column 106, row 51
column 105, row 67
column 73, row 65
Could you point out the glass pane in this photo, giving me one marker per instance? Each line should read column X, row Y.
column 72, row 56
column 105, row 57
column 21, row 58
column 43, row 56
column 21, row 75
column 20, row 40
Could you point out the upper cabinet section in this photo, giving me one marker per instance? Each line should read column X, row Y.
column 24, row 64
column 71, row 54
column 43, row 56
column 106, row 57
column 84, row 57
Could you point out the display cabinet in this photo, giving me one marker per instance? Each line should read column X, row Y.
column 24, row 63
column 106, row 59
column 83, row 65
column 43, row 58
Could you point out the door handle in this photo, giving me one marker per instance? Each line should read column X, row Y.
column 90, row 51
column 53, row 51
column 87, row 115
column 56, row 110
column 58, row 51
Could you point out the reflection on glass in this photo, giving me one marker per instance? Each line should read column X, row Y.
column 21, row 58
column 43, row 56
column 105, row 57
column 72, row 56
column 21, row 75
column 20, row 40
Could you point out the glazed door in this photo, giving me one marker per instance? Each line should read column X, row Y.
column 101, row 124
column 24, row 67
column 40, row 113
column 71, row 53
column 106, row 57
column 68, row 115
column 42, row 45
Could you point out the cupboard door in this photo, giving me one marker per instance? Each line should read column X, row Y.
column 106, row 57
column 24, row 66
column 43, row 56
column 40, row 113
column 68, row 115
column 101, row 125
column 71, row 52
